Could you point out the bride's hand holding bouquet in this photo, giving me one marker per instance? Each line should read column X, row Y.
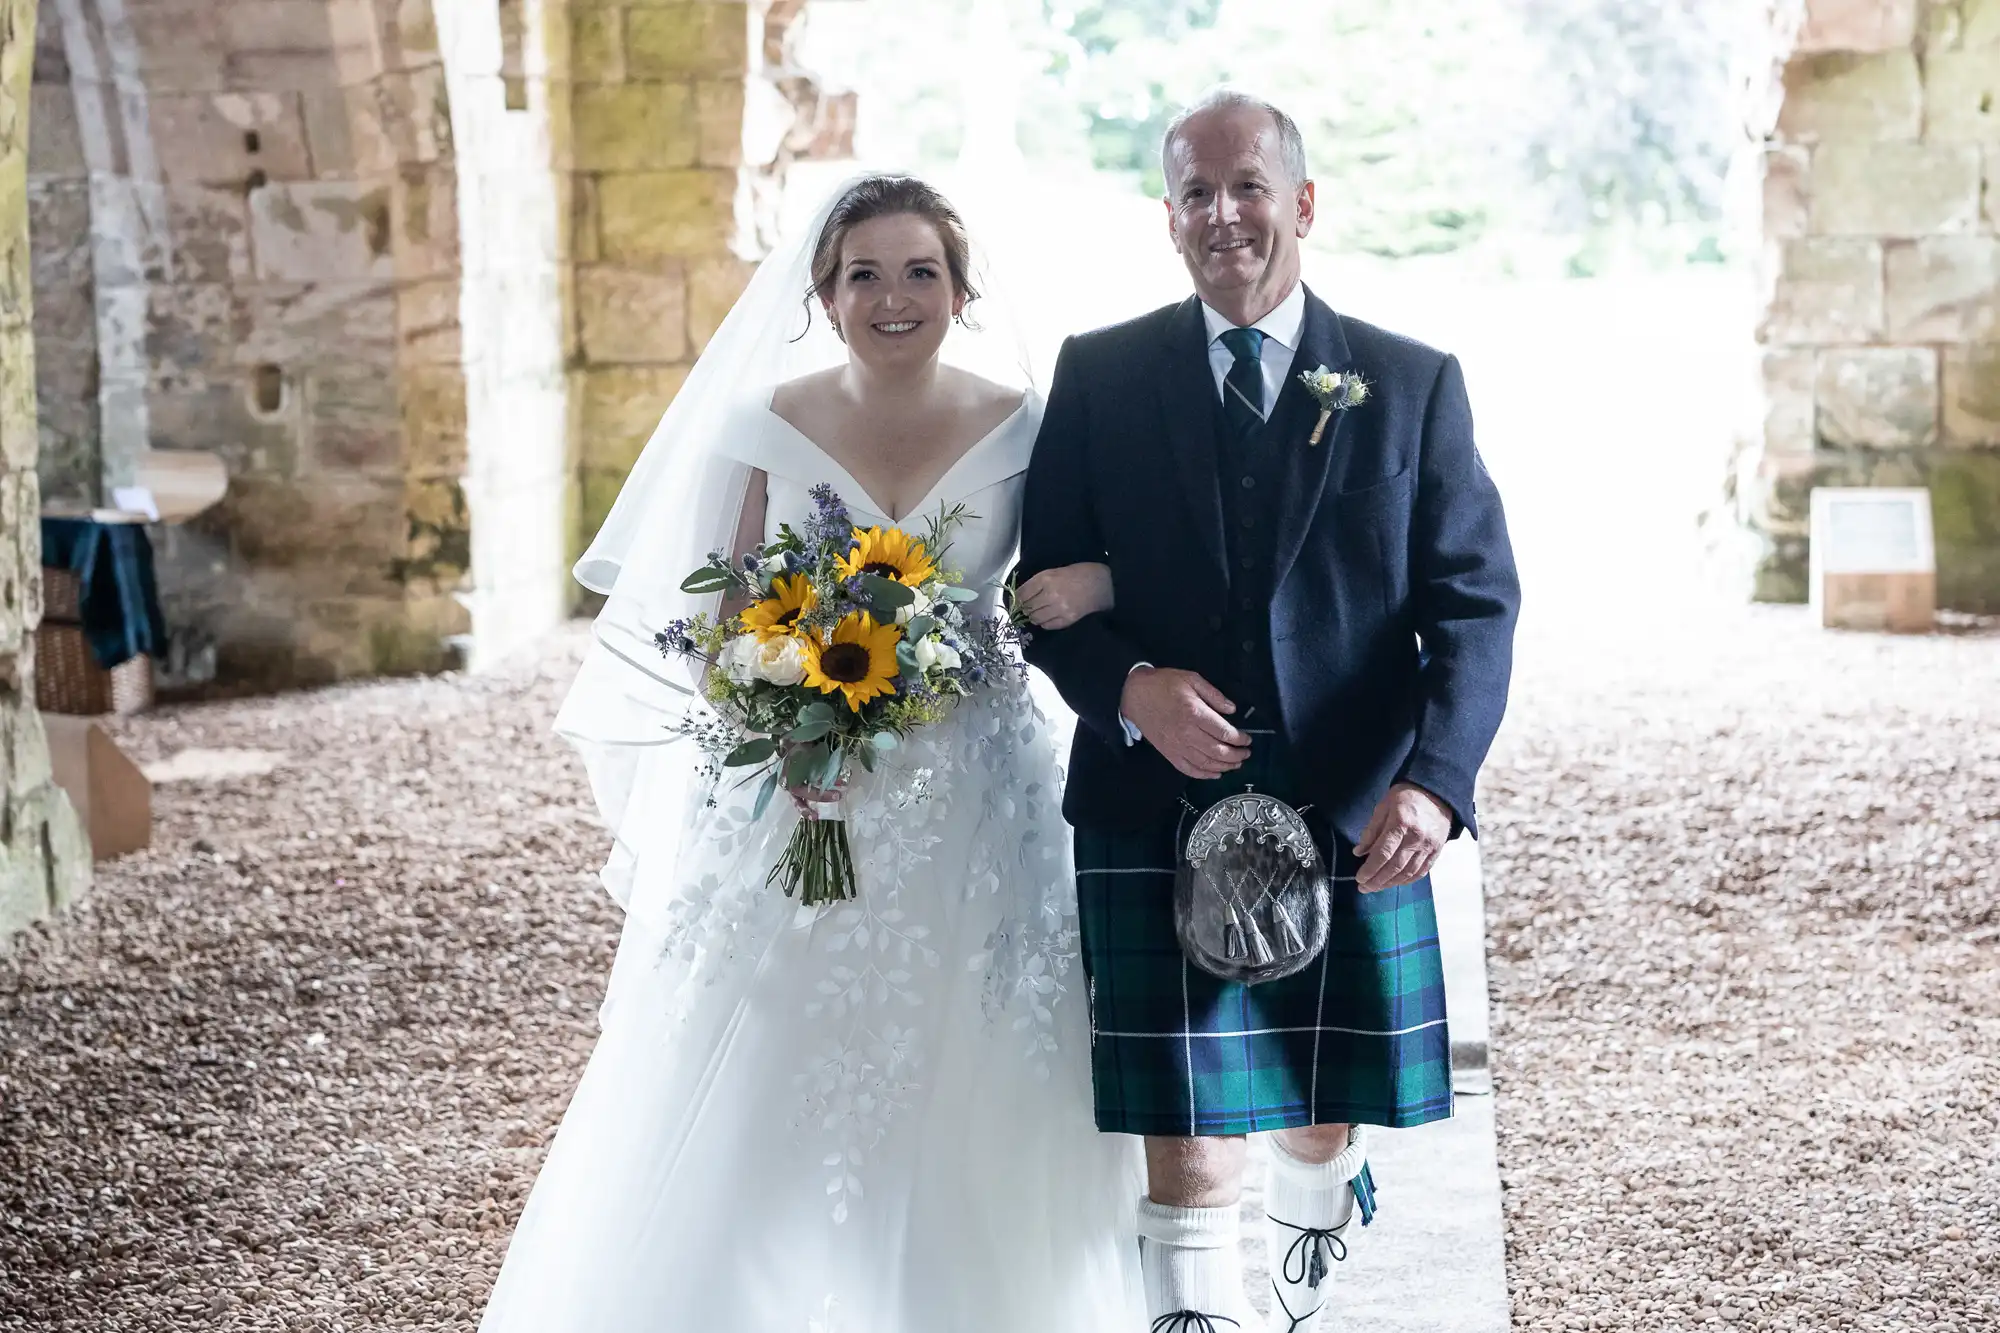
column 852, row 639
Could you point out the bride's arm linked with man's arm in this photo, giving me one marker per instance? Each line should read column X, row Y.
column 1102, row 675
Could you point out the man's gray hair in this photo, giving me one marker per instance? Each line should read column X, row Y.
column 1291, row 144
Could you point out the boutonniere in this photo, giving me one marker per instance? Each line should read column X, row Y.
column 1334, row 392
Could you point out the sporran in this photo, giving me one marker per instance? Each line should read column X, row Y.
column 1252, row 895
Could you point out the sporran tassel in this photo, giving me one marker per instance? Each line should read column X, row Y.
column 1289, row 937
column 1232, row 936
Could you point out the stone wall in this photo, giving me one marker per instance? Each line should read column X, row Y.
column 423, row 275
column 661, row 213
column 44, row 861
column 685, row 117
column 1881, row 328
column 66, row 362
column 271, row 214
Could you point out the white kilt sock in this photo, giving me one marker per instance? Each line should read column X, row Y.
column 1309, row 1206
column 1193, row 1269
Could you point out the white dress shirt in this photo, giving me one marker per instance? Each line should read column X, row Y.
column 1281, row 329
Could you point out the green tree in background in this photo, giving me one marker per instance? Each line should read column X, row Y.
column 1632, row 127
column 1596, row 128
column 1125, row 67
column 1385, row 94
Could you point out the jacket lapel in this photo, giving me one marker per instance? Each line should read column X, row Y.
column 1321, row 343
column 1187, row 387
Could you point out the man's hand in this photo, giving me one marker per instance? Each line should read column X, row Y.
column 1181, row 716
column 1403, row 838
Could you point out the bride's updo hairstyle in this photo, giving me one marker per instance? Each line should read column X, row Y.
column 889, row 196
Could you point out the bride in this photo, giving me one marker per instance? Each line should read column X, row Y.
column 872, row 1117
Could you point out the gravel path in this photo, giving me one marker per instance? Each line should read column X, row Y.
column 1744, row 895
column 293, row 1068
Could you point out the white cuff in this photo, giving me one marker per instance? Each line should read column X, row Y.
column 1132, row 736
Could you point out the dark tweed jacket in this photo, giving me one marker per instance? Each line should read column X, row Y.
column 1393, row 618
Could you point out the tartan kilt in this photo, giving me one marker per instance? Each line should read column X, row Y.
column 1357, row 1037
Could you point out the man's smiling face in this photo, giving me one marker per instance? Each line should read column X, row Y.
column 1235, row 213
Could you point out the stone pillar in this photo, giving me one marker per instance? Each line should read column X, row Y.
column 1880, row 335
column 509, row 103
column 684, row 117
column 661, row 234
column 44, row 860
column 66, row 359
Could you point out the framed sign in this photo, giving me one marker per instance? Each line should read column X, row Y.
column 1873, row 559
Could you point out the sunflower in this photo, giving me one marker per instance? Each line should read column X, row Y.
column 889, row 553
column 859, row 660
column 791, row 597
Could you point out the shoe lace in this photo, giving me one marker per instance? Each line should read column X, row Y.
column 1192, row 1321
column 1306, row 1257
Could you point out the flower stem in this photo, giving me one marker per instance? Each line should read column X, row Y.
column 817, row 864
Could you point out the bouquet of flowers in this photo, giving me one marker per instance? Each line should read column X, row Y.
column 851, row 640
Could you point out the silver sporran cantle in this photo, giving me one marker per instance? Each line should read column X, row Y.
column 1252, row 897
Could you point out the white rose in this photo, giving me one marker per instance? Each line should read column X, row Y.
column 780, row 660
column 735, row 658
column 935, row 652
column 773, row 567
column 921, row 606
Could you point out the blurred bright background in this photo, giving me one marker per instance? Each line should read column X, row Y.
column 1539, row 186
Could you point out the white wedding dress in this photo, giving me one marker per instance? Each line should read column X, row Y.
column 870, row 1118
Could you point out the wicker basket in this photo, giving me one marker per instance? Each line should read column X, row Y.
column 67, row 676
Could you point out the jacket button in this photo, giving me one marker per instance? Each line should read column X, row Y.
column 1249, row 483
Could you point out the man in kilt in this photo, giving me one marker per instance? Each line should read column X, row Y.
column 1319, row 607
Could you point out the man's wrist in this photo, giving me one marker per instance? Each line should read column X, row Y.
column 1444, row 807
column 1132, row 734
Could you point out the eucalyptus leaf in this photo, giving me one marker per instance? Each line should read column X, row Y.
column 803, row 763
column 829, row 774
column 764, row 794
column 887, row 593
column 920, row 627
column 751, row 752
column 867, row 756
column 952, row 592
column 708, row 580
column 810, row 731
column 817, row 711
column 884, row 741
